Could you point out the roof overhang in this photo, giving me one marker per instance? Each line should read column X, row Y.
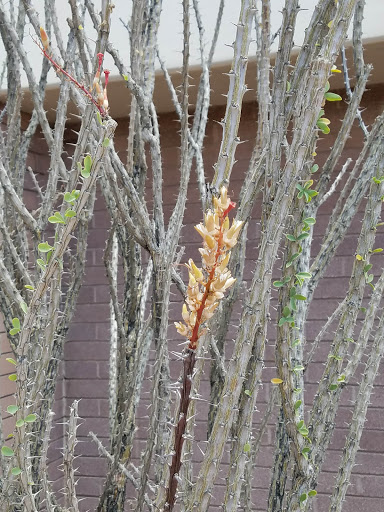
column 119, row 95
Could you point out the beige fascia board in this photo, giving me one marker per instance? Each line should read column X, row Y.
column 119, row 95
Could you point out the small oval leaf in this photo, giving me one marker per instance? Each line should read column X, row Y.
column 7, row 451
column 30, row 418
column 12, row 409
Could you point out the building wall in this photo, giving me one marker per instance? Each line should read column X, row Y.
column 85, row 366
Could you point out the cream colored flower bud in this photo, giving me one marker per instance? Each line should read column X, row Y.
column 230, row 237
column 223, row 195
column 235, row 228
column 181, row 328
column 192, row 318
column 196, row 271
column 210, row 221
column 192, row 281
column 210, row 242
column 219, row 283
column 224, row 263
column 185, row 313
column 229, row 282
column 201, row 230
column 226, row 224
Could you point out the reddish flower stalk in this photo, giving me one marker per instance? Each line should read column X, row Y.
column 206, row 288
column 59, row 69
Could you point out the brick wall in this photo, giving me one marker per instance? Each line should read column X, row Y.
column 85, row 368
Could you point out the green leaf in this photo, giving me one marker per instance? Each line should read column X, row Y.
column 298, row 368
column 296, row 342
column 14, row 331
column 30, row 418
column 300, row 297
column 10, row 360
column 302, row 236
column 99, row 117
column 282, row 321
column 291, row 238
column 7, row 451
column 312, row 493
column 286, row 311
column 16, row 323
column 314, row 168
column 24, row 307
column 331, row 96
column 288, row 86
column 309, row 221
column 70, row 213
column 292, row 291
column 87, row 167
column 278, row 284
column 45, row 247
column 303, row 497
column 106, row 142
column 125, row 77
column 247, row 448
column 292, row 259
column 12, row 377
column 369, row 278
column 297, row 404
column 12, row 409
column 16, row 471
column 309, row 194
column 297, row 390
column 300, row 424
column 304, row 431
column 327, row 86
column 247, row 392
column 56, row 218
column 341, row 378
column 367, row 267
column 323, row 127
column 41, row 263
column 69, row 197
column 335, row 357
column 19, row 423
column 377, row 250
column 332, row 387
column 304, row 275
column 29, row 287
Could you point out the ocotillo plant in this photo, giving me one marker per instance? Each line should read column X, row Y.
column 272, row 290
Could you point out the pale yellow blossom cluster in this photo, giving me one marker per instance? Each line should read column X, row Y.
column 207, row 284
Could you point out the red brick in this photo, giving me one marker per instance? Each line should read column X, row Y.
column 89, row 351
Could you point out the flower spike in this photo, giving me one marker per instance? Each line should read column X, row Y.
column 207, row 284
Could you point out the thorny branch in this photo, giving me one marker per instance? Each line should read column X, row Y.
column 143, row 243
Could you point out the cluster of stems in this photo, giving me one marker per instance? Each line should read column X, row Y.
column 205, row 290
